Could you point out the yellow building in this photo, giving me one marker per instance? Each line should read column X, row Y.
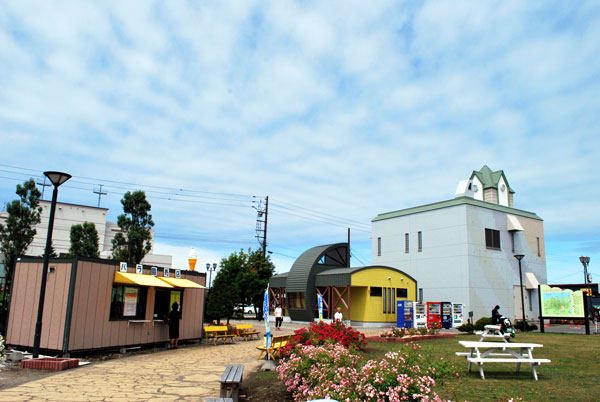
column 365, row 294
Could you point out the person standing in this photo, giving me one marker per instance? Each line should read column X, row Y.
column 174, row 317
column 278, row 317
column 337, row 317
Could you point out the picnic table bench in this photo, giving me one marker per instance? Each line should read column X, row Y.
column 230, row 382
column 492, row 331
column 246, row 331
column 277, row 342
column 501, row 352
column 216, row 332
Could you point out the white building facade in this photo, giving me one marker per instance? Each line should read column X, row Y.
column 462, row 250
column 67, row 215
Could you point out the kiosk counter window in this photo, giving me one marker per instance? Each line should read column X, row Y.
column 163, row 301
column 128, row 302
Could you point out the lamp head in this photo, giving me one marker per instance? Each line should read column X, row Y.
column 519, row 256
column 214, row 265
column 208, row 266
column 584, row 260
column 57, row 178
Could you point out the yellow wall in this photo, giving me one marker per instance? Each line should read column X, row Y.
column 367, row 308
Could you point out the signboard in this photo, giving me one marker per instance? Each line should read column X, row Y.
column 557, row 302
column 178, row 273
column 320, row 299
column 130, row 302
column 123, row 267
column 266, row 317
column 154, row 271
column 139, row 268
column 166, row 272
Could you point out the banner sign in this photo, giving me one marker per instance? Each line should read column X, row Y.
column 320, row 299
column 266, row 318
column 130, row 302
column 166, row 272
column 557, row 302
column 154, row 271
column 178, row 273
column 123, row 267
column 139, row 268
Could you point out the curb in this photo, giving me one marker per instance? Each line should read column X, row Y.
column 408, row 339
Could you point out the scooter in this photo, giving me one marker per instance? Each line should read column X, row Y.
column 506, row 327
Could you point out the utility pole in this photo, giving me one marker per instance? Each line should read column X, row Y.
column 44, row 185
column 100, row 194
column 262, row 213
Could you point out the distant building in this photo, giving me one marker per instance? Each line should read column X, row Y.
column 366, row 295
column 67, row 215
column 462, row 250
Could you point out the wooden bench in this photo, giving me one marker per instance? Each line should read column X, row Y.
column 277, row 342
column 230, row 382
column 246, row 331
column 219, row 400
column 516, row 353
column 216, row 332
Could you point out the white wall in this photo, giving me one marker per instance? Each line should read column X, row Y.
column 455, row 264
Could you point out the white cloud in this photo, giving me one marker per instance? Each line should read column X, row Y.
column 349, row 108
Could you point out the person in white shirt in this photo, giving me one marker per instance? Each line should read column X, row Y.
column 338, row 315
column 278, row 317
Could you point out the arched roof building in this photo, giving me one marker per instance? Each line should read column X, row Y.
column 365, row 294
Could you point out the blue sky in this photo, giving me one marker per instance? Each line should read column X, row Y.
column 337, row 111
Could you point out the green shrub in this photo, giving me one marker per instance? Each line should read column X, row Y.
column 468, row 327
column 482, row 322
column 519, row 325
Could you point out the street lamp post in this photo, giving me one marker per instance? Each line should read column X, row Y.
column 520, row 257
column 57, row 178
column 210, row 270
column 585, row 261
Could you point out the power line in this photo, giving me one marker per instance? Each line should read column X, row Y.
column 319, row 220
column 326, row 215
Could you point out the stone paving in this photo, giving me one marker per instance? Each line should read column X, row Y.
column 189, row 373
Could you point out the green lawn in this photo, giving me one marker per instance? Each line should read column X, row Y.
column 573, row 375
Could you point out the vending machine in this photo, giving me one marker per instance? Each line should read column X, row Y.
column 434, row 313
column 420, row 315
column 405, row 314
column 446, row 315
column 458, row 317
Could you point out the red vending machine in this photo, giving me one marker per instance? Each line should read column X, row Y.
column 434, row 313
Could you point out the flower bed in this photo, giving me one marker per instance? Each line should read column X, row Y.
column 322, row 333
column 332, row 371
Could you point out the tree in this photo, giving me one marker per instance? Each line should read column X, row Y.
column 84, row 240
column 135, row 239
column 17, row 233
column 241, row 280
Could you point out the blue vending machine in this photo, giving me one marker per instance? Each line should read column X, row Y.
column 404, row 314
column 446, row 315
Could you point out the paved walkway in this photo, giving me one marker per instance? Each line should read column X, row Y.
column 190, row 373
column 184, row 374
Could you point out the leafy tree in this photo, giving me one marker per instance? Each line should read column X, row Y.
column 84, row 240
column 17, row 233
column 134, row 240
column 242, row 279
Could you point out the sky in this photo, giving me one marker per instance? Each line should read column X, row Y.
column 337, row 111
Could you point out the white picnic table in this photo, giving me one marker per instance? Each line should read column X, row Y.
column 501, row 352
column 492, row 331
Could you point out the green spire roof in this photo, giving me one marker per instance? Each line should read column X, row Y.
column 489, row 178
